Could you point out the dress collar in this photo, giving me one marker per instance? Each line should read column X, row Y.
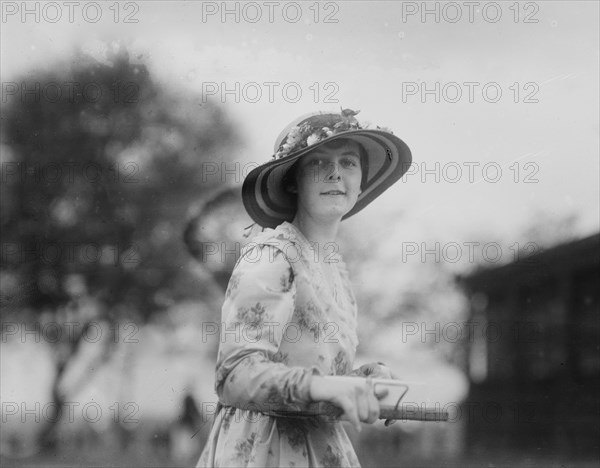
column 295, row 235
column 287, row 233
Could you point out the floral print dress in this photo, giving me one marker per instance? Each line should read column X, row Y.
column 282, row 322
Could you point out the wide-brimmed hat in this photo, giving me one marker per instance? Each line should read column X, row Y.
column 388, row 158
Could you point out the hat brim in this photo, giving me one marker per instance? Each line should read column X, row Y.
column 269, row 204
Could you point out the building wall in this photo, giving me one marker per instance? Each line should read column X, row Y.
column 539, row 389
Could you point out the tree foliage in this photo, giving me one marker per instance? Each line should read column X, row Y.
column 100, row 167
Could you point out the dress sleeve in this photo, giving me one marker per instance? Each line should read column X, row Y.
column 258, row 305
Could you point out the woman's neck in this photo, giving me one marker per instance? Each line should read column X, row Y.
column 316, row 231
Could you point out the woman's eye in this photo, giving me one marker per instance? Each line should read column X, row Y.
column 350, row 163
column 315, row 162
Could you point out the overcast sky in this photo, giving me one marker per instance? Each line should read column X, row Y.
column 380, row 57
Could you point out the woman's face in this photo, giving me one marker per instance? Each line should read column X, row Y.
column 328, row 180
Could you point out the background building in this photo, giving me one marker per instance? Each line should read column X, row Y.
column 534, row 353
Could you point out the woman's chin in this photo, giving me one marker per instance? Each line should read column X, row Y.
column 335, row 211
column 329, row 209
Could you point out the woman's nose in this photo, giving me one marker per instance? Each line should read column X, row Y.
column 333, row 171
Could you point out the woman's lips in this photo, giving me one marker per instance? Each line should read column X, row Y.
column 333, row 192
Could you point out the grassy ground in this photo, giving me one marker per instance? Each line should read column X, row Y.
column 146, row 460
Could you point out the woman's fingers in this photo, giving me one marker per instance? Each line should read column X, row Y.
column 377, row 370
column 384, row 371
column 373, row 404
column 361, row 393
column 352, row 416
column 381, row 392
column 373, row 409
column 366, row 369
column 362, row 404
column 351, row 412
column 357, row 398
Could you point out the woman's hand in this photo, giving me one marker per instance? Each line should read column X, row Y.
column 376, row 370
column 355, row 397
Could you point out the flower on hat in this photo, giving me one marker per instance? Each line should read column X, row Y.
column 312, row 139
column 300, row 137
column 385, row 129
column 294, row 136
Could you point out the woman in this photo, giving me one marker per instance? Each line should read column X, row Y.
column 289, row 316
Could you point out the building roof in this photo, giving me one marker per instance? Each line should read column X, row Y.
column 575, row 255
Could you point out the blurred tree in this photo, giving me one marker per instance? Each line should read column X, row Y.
column 100, row 166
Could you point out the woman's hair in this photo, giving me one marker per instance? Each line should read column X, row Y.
column 290, row 180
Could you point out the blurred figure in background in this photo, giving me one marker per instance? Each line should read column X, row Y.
column 183, row 442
